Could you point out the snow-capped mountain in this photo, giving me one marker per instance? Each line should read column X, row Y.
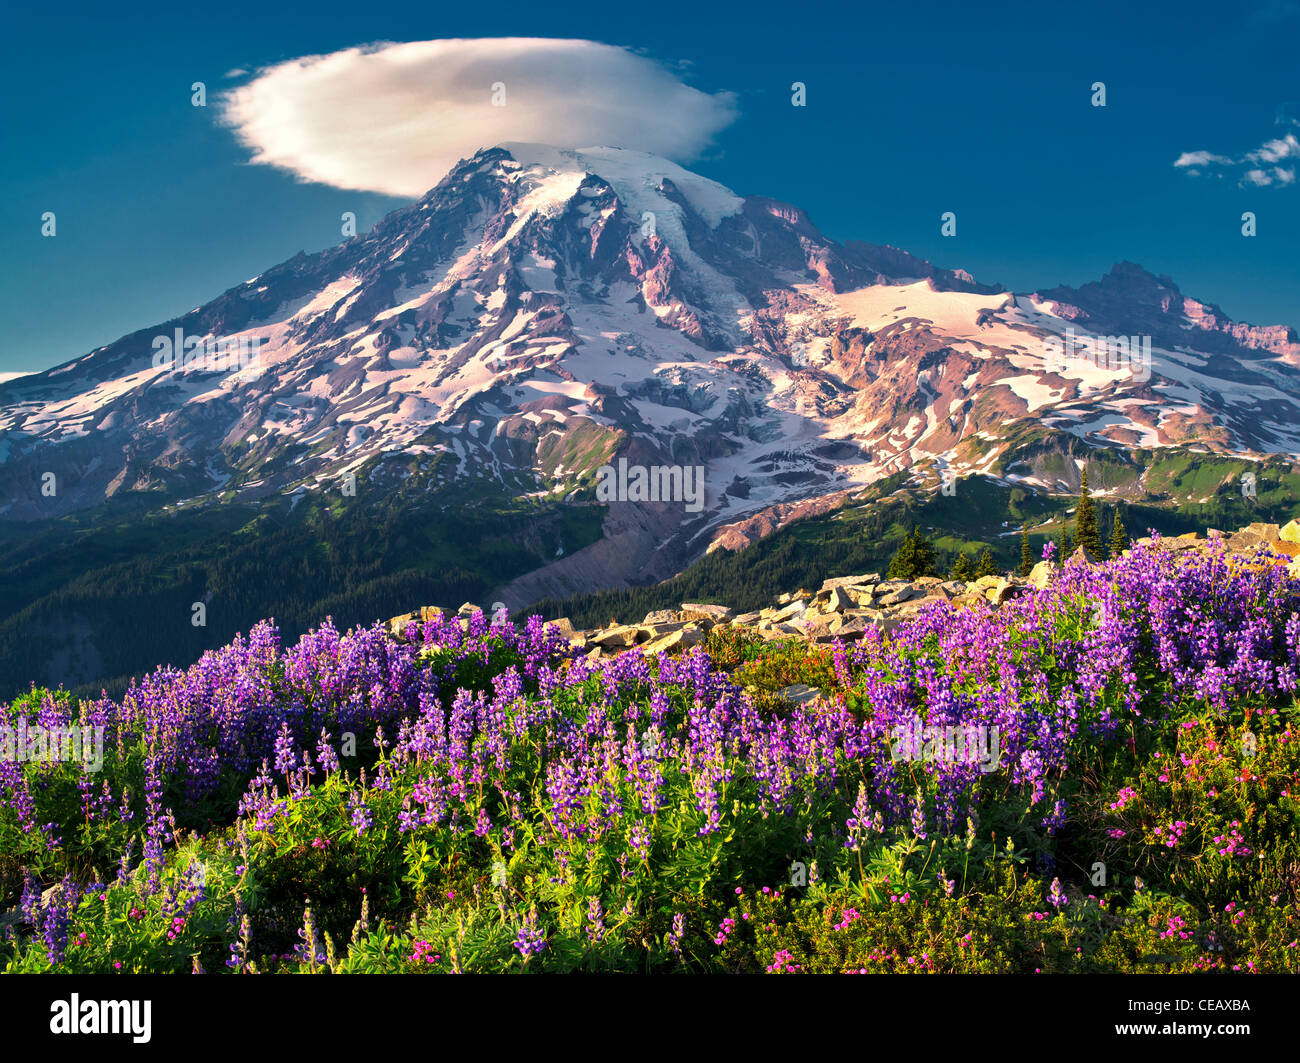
column 542, row 313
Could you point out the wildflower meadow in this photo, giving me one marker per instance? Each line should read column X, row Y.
column 481, row 798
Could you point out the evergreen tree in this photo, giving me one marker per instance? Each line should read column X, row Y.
column 1119, row 541
column 986, row 566
column 1086, row 532
column 1026, row 552
column 924, row 556
column 962, row 569
column 903, row 563
column 1063, row 543
column 913, row 559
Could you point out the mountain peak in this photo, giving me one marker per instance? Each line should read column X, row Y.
column 636, row 176
column 1137, row 279
column 544, row 310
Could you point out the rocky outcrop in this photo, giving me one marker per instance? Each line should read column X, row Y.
column 845, row 608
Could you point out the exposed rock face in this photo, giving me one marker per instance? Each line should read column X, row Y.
column 1128, row 298
column 544, row 312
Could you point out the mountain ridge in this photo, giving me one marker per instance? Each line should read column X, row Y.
column 541, row 312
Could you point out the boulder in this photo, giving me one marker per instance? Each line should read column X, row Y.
column 780, row 631
column 615, row 637
column 682, row 638
column 947, row 590
column 887, row 624
column 817, row 628
column 799, row 694
column 1041, row 574
column 1253, row 535
column 714, row 614
column 789, row 612
column 662, row 616
column 646, row 632
column 905, row 593
column 397, row 625
column 851, row 630
column 851, row 581
column 1002, row 591
column 1290, row 532
column 839, row 600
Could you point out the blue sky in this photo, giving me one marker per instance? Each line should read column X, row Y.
column 913, row 110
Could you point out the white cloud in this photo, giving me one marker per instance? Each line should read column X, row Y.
column 1263, row 178
column 1275, row 150
column 1255, row 175
column 394, row 118
column 1201, row 158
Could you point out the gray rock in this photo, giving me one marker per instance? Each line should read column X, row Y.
column 662, row 616
column 615, row 637
column 851, row 581
column 905, row 593
column 683, row 638
column 1041, row 574
column 714, row 614
column 839, row 600
column 397, row 625
column 564, row 626
column 793, row 609
column 799, row 694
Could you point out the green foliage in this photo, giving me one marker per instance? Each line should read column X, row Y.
column 986, row 566
column 88, row 607
column 1086, row 532
column 1119, row 540
column 776, row 665
column 1026, row 553
column 1063, row 543
column 914, row 558
column 962, row 569
column 1196, row 822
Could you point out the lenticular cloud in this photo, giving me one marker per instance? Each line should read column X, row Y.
column 394, row 118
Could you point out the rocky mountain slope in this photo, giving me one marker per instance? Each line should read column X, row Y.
column 543, row 313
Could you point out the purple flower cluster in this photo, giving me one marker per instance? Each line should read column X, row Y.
column 610, row 743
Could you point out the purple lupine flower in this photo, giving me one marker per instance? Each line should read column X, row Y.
column 676, row 934
column 596, row 931
column 531, row 939
column 1057, row 896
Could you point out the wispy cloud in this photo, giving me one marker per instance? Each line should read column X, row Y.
column 394, row 118
column 1272, row 163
